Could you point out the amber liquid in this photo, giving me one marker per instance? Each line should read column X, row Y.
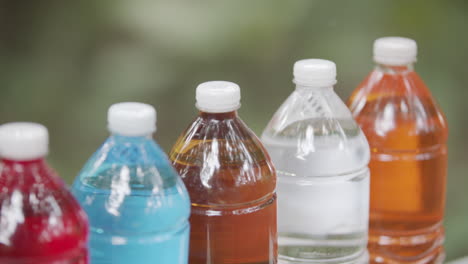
column 231, row 183
column 407, row 134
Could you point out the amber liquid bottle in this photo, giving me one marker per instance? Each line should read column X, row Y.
column 407, row 133
column 231, row 182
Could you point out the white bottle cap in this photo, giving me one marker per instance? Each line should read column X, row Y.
column 218, row 97
column 23, row 141
column 315, row 72
column 395, row 51
column 132, row 119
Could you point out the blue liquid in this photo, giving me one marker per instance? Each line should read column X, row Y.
column 137, row 205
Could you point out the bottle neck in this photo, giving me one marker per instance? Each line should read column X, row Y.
column 22, row 175
column 132, row 138
column 218, row 116
column 23, row 165
column 390, row 69
column 302, row 87
column 9, row 162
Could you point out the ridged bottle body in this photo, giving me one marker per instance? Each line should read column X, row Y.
column 137, row 205
column 407, row 133
column 40, row 221
column 231, row 182
column 321, row 158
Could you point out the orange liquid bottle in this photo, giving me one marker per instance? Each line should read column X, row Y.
column 231, row 182
column 407, row 133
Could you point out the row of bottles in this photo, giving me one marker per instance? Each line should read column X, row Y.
column 214, row 199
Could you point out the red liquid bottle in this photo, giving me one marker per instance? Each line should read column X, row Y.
column 407, row 133
column 231, row 182
column 40, row 221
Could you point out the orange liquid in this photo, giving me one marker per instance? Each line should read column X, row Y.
column 407, row 134
column 231, row 183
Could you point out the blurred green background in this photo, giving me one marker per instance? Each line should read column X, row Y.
column 62, row 63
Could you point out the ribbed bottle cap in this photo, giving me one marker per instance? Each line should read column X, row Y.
column 395, row 51
column 23, row 141
column 218, row 97
column 132, row 119
column 315, row 72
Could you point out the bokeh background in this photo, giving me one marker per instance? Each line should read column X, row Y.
column 62, row 63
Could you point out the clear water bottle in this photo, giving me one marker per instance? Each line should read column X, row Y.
column 40, row 220
column 321, row 157
column 137, row 205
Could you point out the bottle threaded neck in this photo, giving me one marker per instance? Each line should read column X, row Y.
column 391, row 69
column 218, row 116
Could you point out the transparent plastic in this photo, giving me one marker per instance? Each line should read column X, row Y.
column 231, row 182
column 321, row 158
column 407, row 133
column 136, row 203
column 40, row 221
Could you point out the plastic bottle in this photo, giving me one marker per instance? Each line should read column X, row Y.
column 40, row 221
column 231, row 182
column 407, row 133
column 321, row 157
column 137, row 205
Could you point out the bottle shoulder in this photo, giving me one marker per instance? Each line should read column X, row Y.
column 36, row 204
column 313, row 120
column 391, row 106
column 129, row 187
column 140, row 164
column 229, row 141
column 319, row 112
column 313, row 134
column 223, row 161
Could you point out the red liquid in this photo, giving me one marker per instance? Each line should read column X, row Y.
column 407, row 134
column 40, row 221
column 231, row 183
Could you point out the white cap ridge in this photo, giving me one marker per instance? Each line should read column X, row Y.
column 395, row 51
column 131, row 119
column 315, row 72
column 218, row 97
column 23, row 141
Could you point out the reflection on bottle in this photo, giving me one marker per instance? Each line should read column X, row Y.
column 40, row 221
column 231, row 182
column 321, row 157
column 137, row 205
column 407, row 133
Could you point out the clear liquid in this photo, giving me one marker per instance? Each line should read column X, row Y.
column 323, row 198
column 143, row 231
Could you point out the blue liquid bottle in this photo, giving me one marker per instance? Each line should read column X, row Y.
column 137, row 205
